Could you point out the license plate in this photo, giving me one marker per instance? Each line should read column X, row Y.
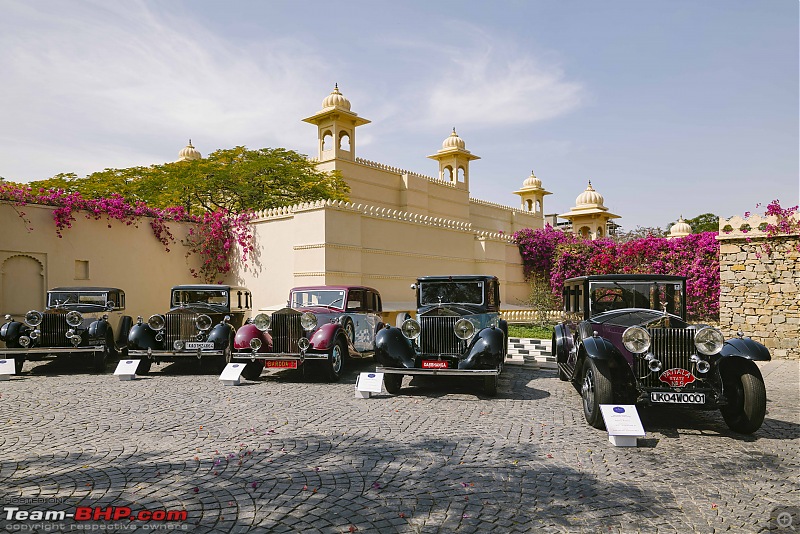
column 199, row 344
column 677, row 398
column 434, row 364
column 282, row 364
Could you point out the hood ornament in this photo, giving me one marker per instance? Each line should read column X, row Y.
column 666, row 315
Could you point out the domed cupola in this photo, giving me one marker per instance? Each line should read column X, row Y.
column 454, row 160
column 336, row 100
column 453, row 141
column 589, row 197
column 189, row 153
column 532, row 194
column 680, row 228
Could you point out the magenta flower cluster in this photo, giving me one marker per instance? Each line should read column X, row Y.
column 560, row 256
column 213, row 237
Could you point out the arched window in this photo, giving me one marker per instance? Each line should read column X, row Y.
column 538, row 206
column 447, row 173
column 599, row 231
column 344, row 141
column 529, row 204
column 461, row 174
column 584, row 231
column 327, row 139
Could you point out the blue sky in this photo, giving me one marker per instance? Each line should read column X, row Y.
column 670, row 107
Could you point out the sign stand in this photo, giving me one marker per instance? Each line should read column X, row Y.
column 126, row 369
column 7, row 369
column 230, row 375
column 623, row 424
column 368, row 383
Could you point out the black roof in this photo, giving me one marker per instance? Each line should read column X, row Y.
column 456, row 277
column 201, row 287
column 630, row 277
column 86, row 288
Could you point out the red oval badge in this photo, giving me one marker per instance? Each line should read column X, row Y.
column 677, row 378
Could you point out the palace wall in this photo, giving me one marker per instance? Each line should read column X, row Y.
column 760, row 288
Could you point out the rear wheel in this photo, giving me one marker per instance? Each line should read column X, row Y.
column 335, row 361
column 490, row 385
column 747, row 397
column 392, row 383
column 595, row 390
column 562, row 375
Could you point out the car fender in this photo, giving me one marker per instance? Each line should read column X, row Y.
column 746, row 348
column 599, row 348
column 560, row 343
column 142, row 336
column 486, row 348
column 10, row 331
column 247, row 332
column 325, row 336
column 393, row 349
column 220, row 334
column 97, row 329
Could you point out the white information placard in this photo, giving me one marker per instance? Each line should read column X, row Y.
column 623, row 424
column 126, row 369
column 370, row 382
column 230, row 375
column 7, row 369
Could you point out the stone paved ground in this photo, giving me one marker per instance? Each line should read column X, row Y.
column 284, row 455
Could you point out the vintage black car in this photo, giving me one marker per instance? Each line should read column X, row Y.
column 76, row 321
column 322, row 326
column 626, row 340
column 201, row 323
column 457, row 331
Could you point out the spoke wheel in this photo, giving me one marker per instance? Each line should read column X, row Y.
column 335, row 361
column 596, row 389
column 747, row 397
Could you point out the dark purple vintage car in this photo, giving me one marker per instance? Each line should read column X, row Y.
column 627, row 340
column 320, row 328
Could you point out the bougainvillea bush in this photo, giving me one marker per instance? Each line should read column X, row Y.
column 565, row 256
column 213, row 236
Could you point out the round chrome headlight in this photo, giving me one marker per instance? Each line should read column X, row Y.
column 262, row 321
column 74, row 318
column 177, row 344
column 708, row 340
column 303, row 344
column 636, row 339
column 255, row 343
column 410, row 329
column 203, row 322
column 464, row 329
column 25, row 341
column 308, row 321
column 34, row 318
column 156, row 322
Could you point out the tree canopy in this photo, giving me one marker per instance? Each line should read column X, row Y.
column 234, row 179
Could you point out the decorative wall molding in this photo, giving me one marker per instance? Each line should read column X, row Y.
column 738, row 227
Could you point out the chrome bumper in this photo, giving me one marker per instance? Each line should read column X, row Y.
column 51, row 350
column 278, row 356
column 432, row 372
column 159, row 354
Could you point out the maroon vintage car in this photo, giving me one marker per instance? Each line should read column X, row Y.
column 322, row 326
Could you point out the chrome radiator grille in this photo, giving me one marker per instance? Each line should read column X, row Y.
column 54, row 329
column 286, row 330
column 439, row 337
column 673, row 347
column 179, row 326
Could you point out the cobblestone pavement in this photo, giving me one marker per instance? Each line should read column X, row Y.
column 285, row 455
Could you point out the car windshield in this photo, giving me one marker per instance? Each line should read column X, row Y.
column 187, row 297
column 440, row 292
column 611, row 295
column 57, row 299
column 317, row 297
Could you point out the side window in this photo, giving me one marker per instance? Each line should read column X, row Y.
column 355, row 300
column 579, row 298
column 565, row 298
column 491, row 294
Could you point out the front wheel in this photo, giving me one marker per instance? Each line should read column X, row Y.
column 490, row 385
column 392, row 383
column 144, row 366
column 747, row 397
column 19, row 361
column 335, row 361
column 595, row 390
column 253, row 370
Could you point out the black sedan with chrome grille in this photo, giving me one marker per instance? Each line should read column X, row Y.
column 626, row 340
column 201, row 323
column 457, row 331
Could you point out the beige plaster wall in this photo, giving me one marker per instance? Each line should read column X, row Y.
column 127, row 257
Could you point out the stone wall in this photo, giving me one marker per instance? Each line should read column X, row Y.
column 760, row 286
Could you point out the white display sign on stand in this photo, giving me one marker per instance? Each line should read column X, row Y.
column 126, row 369
column 230, row 375
column 368, row 383
column 7, row 369
column 623, row 424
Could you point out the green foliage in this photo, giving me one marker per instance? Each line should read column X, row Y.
column 530, row 331
column 541, row 299
column 234, row 179
column 707, row 222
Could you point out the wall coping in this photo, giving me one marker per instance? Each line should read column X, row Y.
column 754, row 221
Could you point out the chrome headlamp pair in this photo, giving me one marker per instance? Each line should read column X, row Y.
column 464, row 329
column 35, row 318
column 158, row 322
column 707, row 340
column 262, row 321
